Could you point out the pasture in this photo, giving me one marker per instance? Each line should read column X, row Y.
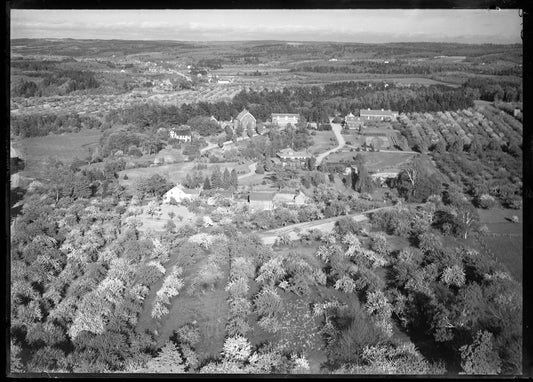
column 505, row 239
column 176, row 172
column 209, row 309
column 375, row 161
column 64, row 147
column 507, row 249
column 323, row 141
column 157, row 223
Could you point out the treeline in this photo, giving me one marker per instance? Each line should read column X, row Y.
column 312, row 103
column 34, row 66
column 211, row 63
column 38, row 125
column 402, row 67
column 494, row 90
column 75, row 79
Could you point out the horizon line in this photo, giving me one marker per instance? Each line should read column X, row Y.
column 268, row 40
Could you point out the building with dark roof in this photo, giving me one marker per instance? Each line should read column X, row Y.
column 261, row 200
column 294, row 158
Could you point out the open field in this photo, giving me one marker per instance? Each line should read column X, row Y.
column 175, row 172
column 505, row 240
column 209, row 310
column 375, row 161
column 65, row 147
column 152, row 223
column 318, row 78
column 509, row 251
column 498, row 220
column 323, row 141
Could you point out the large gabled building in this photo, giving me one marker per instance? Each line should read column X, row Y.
column 283, row 119
column 294, row 158
column 245, row 120
column 352, row 122
column 378, row 115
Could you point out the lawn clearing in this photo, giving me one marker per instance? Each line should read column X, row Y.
column 500, row 216
column 509, row 251
column 323, row 141
column 209, row 309
column 375, row 161
column 152, row 223
column 65, row 147
column 176, row 172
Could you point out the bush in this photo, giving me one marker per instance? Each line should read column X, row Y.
column 485, row 201
column 514, row 202
column 349, row 345
column 148, row 274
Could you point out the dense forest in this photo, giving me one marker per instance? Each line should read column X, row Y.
column 404, row 67
column 313, row 104
column 71, row 79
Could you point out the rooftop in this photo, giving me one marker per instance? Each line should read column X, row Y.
column 262, row 195
column 243, row 113
column 288, row 152
column 182, row 132
column 377, row 112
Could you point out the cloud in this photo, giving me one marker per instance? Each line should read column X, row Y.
column 319, row 25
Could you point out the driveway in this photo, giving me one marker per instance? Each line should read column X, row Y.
column 252, row 168
column 324, row 225
column 336, row 128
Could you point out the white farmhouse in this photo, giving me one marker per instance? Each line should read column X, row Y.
column 183, row 135
column 180, row 193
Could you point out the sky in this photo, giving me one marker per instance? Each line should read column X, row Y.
column 362, row 26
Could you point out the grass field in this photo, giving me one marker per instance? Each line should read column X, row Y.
column 375, row 161
column 509, row 251
column 323, row 141
column 65, row 147
column 175, row 173
column 182, row 216
column 312, row 77
column 209, row 310
column 506, row 238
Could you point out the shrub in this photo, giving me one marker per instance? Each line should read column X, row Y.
column 148, row 274
column 485, row 201
column 514, row 202
column 237, row 348
column 360, row 332
column 378, row 243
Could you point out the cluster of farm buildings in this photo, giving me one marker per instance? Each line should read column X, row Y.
column 257, row 200
column 247, row 121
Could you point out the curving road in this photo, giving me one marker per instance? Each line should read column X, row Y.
column 336, row 128
column 252, row 168
column 325, row 225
